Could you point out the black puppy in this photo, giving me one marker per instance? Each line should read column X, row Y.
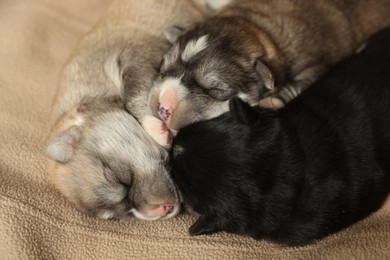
column 298, row 174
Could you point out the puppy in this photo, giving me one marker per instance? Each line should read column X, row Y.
column 267, row 50
column 101, row 158
column 298, row 174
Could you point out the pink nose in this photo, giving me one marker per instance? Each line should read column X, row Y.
column 164, row 210
column 168, row 102
column 165, row 115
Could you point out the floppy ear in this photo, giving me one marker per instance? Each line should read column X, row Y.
column 172, row 33
column 264, row 72
column 203, row 226
column 242, row 112
column 62, row 146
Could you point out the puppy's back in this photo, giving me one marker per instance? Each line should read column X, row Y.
column 353, row 100
column 359, row 82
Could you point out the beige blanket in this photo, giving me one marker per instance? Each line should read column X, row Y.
column 36, row 222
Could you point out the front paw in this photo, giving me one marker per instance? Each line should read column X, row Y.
column 157, row 130
column 205, row 225
column 272, row 103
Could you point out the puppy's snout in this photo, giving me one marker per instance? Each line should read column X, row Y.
column 164, row 210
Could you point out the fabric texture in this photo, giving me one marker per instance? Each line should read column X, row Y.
column 36, row 222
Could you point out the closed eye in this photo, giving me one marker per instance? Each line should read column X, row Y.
column 117, row 172
column 109, row 174
column 219, row 91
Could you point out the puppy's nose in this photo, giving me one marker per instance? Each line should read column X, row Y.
column 164, row 113
column 168, row 102
column 164, row 210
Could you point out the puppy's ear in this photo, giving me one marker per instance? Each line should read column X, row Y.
column 172, row 33
column 62, row 146
column 242, row 112
column 265, row 74
column 203, row 226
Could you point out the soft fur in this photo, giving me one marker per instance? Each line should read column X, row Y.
column 298, row 174
column 268, row 50
column 101, row 158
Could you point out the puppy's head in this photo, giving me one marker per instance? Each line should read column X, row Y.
column 208, row 65
column 104, row 162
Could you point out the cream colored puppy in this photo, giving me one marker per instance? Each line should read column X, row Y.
column 101, row 158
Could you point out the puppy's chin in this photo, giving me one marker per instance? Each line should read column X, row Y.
column 107, row 214
column 155, row 216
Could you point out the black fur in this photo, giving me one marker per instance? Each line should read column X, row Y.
column 295, row 175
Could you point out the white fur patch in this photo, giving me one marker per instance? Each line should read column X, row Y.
column 178, row 150
column 78, row 121
column 243, row 96
column 193, row 47
column 139, row 215
column 113, row 71
column 153, row 126
column 174, row 83
column 108, row 214
column 218, row 4
column 171, row 57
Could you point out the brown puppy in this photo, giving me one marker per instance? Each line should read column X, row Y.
column 268, row 50
column 101, row 158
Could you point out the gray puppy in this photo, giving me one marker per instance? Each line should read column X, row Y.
column 101, row 158
column 265, row 52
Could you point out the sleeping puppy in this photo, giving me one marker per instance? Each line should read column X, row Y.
column 267, row 50
column 298, row 174
column 101, row 158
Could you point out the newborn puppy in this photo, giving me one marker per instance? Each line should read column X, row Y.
column 101, row 157
column 298, row 174
column 267, row 50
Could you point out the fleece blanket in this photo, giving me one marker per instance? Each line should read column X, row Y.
column 36, row 222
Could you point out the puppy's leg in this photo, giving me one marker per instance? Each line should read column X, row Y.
column 290, row 91
column 272, row 103
column 285, row 95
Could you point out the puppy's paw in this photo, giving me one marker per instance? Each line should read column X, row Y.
column 157, row 130
column 205, row 225
column 271, row 102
